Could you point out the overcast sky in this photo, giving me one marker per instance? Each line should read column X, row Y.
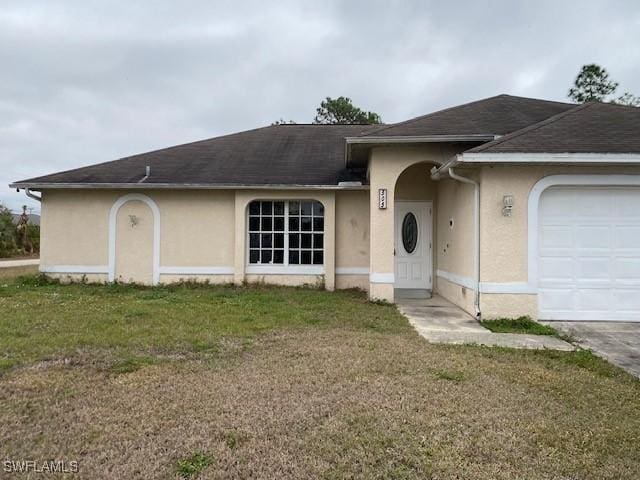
column 83, row 81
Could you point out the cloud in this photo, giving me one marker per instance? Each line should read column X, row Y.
column 84, row 82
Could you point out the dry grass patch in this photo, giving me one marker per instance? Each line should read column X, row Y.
column 333, row 399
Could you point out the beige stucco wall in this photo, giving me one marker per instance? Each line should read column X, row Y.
column 74, row 227
column 201, row 229
column 197, row 227
column 352, row 229
column 386, row 164
column 352, row 239
column 455, row 239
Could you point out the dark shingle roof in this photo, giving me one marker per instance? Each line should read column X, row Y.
column 275, row 155
column 588, row 128
column 315, row 154
column 492, row 116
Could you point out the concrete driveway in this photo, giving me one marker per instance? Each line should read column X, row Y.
column 618, row 342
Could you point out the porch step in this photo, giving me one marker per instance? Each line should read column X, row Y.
column 412, row 293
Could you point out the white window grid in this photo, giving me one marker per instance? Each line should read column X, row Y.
column 316, row 249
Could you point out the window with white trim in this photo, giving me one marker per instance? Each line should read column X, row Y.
column 286, row 232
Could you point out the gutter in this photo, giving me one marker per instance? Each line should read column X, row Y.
column 28, row 193
column 176, row 186
column 448, row 169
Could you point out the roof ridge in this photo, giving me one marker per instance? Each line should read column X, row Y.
column 530, row 128
column 422, row 117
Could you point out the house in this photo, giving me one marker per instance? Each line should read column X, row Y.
column 505, row 206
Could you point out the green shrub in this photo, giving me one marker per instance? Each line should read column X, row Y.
column 8, row 246
column 33, row 232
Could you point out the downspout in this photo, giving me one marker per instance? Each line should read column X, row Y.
column 476, row 186
column 436, row 174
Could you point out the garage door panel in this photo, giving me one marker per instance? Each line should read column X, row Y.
column 627, row 300
column 557, row 236
column 626, row 269
column 557, row 298
column 594, row 268
column 589, row 254
column 591, row 300
column 627, row 204
column 593, row 203
column 626, row 237
column 559, row 204
column 556, row 269
column 593, row 236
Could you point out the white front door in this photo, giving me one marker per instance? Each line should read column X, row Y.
column 589, row 254
column 413, row 245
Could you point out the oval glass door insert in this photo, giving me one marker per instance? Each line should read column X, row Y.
column 409, row 232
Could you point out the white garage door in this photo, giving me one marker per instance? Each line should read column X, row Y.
column 589, row 254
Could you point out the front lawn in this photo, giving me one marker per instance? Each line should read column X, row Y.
column 263, row 382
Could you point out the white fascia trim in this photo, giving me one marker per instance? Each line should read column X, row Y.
column 77, row 269
column 549, row 157
column 113, row 217
column 197, row 270
column 562, row 180
column 181, row 186
column 285, row 270
column 382, row 278
column 420, row 139
column 352, row 271
column 461, row 280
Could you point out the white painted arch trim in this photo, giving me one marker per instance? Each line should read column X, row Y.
column 534, row 203
column 113, row 217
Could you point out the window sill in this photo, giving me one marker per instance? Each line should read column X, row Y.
column 285, row 269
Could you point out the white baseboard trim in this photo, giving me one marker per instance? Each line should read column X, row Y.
column 382, row 278
column 197, row 270
column 507, row 287
column 352, row 271
column 75, row 269
column 488, row 287
column 461, row 280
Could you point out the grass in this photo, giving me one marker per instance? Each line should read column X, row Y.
column 191, row 466
column 262, row 382
column 518, row 325
column 128, row 322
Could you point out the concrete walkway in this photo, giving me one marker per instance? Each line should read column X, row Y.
column 439, row 321
column 25, row 262
column 15, row 268
column 617, row 342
